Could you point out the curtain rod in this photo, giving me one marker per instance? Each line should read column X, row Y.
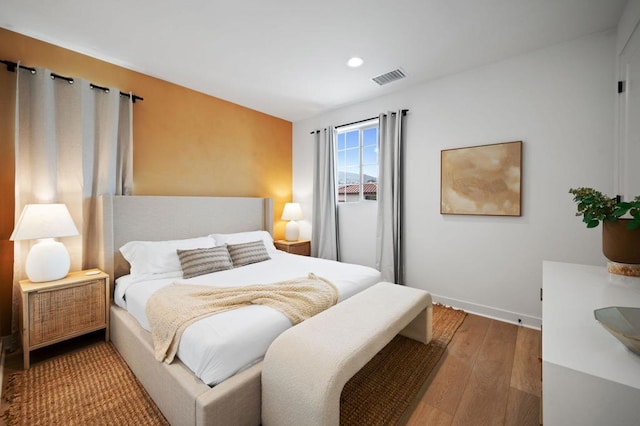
column 11, row 67
column 404, row 111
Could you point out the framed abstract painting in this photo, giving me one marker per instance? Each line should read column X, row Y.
column 482, row 180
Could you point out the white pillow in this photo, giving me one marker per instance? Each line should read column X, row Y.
column 246, row 237
column 159, row 257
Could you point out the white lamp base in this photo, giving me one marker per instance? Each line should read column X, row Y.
column 292, row 231
column 48, row 260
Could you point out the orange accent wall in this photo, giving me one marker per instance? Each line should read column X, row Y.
column 185, row 142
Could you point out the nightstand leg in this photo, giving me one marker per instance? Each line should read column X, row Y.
column 25, row 358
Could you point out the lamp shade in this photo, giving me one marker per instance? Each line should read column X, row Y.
column 292, row 211
column 48, row 259
column 39, row 221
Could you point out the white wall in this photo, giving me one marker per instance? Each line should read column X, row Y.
column 560, row 102
column 627, row 136
column 627, row 24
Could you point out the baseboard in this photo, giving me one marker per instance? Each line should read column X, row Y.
column 489, row 312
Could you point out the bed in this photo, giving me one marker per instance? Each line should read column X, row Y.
column 183, row 396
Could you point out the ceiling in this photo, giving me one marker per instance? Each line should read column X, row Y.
column 287, row 58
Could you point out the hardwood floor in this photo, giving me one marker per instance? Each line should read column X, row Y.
column 489, row 375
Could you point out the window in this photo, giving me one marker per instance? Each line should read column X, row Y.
column 357, row 162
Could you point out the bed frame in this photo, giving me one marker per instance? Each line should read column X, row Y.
column 182, row 397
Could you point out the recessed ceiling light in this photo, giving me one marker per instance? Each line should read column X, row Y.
column 355, row 62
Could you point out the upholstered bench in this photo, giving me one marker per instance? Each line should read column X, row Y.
column 307, row 366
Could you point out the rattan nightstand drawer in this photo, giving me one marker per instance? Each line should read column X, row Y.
column 58, row 310
column 55, row 314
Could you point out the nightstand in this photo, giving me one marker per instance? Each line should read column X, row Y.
column 302, row 247
column 58, row 310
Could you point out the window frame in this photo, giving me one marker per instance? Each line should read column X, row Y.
column 361, row 127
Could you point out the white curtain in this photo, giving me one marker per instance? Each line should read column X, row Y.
column 72, row 144
column 324, row 240
column 390, row 260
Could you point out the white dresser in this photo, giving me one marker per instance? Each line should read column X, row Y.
column 588, row 376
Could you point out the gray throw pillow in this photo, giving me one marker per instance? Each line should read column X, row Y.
column 204, row 261
column 246, row 253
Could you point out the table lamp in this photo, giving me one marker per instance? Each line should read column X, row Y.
column 292, row 212
column 48, row 259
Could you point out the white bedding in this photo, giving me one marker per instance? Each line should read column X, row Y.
column 221, row 345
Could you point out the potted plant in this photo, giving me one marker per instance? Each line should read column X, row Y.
column 620, row 223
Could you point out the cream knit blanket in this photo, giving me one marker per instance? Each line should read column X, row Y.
column 173, row 308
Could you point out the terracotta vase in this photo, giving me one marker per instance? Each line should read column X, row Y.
column 620, row 244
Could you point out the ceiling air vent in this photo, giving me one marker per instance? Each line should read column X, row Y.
column 390, row 76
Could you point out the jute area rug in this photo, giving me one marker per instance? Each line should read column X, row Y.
column 94, row 386
column 380, row 393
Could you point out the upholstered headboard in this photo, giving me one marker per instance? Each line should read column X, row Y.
column 157, row 218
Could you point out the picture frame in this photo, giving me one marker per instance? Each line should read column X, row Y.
column 482, row 180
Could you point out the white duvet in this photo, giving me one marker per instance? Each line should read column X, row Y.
column 217, row 347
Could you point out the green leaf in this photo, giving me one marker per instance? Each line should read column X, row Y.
column 592, row 223
column 620, row 211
